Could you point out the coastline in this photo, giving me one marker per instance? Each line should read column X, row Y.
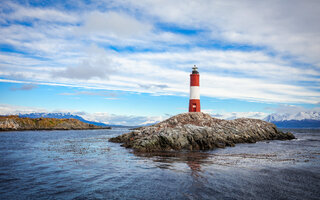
column 16, row 123
column 54, row 129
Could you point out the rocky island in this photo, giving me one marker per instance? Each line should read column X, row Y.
column 16, row 123
column 199, row 131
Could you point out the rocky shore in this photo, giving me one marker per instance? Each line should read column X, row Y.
column 199, row 131
column 15, row 123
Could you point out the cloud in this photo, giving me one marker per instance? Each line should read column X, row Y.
column 124, row 47
column 24, row 87
column 6, row 109
column 250, row 76
column 23, row 13
column 134, row 120
column 90, row 93
column 84, row 71
column 216, row 115
column 116, row 24
column 96, row 64
column 236, row 115
column 127, row 120
column 107, row 118
column 153, row 86
column 288, row 27
column 292, row 109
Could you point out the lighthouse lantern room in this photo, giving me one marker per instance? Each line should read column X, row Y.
column 194, row 102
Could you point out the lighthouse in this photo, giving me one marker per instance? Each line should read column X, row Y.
column 194, row 102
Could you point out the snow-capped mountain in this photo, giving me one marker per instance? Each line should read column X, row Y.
column 309, row 119
column 312, row 115
column 61, row 116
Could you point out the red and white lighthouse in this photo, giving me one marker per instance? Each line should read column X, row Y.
column 194, row 103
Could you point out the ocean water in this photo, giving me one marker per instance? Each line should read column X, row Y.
column 84, row 165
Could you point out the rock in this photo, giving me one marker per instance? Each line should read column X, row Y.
column 15, row 123
column 199, row 131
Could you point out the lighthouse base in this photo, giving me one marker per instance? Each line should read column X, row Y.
column 194, row 105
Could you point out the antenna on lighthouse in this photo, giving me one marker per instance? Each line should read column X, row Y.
column 195, row 69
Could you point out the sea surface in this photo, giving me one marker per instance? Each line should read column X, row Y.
column 82, row 164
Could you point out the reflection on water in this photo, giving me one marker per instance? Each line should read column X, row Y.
column 168, row 160
column 83, row 164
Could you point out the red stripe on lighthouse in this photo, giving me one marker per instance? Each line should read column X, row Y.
column 194, row 105
column 194, row 80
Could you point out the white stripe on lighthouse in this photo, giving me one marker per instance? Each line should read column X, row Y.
column 194, row 92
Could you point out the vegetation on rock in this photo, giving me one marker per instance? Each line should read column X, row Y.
column 13, row 122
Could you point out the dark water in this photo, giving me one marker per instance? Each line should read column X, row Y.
column 84, row 165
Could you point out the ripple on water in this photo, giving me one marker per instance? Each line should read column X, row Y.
column 83, row 164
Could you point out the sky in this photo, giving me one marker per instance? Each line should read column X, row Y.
column 128, row 62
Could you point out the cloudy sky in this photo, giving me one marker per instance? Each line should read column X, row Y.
column 128, row 61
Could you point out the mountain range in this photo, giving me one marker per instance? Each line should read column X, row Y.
column 309, row 119
column 312, row 115
column 61, row 116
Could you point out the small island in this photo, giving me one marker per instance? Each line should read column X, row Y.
column 199, row 131
column 16, row 123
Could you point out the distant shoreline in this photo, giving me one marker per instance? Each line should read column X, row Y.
column 16, row 123
column 1, row 130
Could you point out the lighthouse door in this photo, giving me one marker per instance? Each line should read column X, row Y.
column 194, row 107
